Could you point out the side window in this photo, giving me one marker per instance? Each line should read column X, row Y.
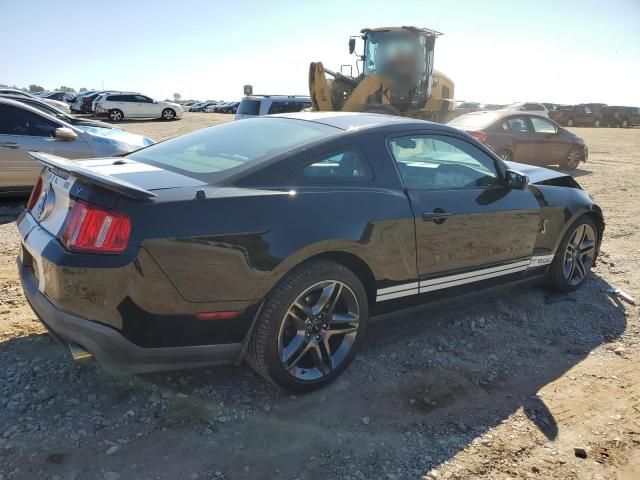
column 540, row 125
column 141, row 99
column 587, row 110
column 442, row 163
column 286, row 107
column 15, row 121
column 517, row 125
column 346, row 165
column 111, row 98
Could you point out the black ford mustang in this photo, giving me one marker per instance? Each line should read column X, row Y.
column 275, row 239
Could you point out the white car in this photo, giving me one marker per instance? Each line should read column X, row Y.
column 527, row 107
column 54, row 103
column 134, row 105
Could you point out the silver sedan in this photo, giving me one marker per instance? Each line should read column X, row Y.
column 24, row 128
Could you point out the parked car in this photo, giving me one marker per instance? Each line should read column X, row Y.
column 24, row 128
column 54, row 112
column 525, row 138
column 54, row 103
column 620, row 116
column 77, row 103
column 58, row 95
column 201, row 107
column 527, row 107
column 134, row 105
column 576, row 115
column 208, row 248
column 256, row 105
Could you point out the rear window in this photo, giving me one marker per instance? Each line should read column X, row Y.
column 287, row 107
column 473, row 121
column 249, row 107
column 223, row 150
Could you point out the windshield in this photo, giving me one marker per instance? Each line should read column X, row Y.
column 217, row 152
column 389, row 52
column 473, row 121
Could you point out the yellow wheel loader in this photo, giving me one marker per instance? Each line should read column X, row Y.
column 397, row 77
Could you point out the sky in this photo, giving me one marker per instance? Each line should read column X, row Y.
column 496, row 51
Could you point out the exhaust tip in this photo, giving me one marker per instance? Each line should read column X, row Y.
column 78, row 353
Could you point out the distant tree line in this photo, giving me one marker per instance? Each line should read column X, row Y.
column 33, row 88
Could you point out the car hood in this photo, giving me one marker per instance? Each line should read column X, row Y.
column 114, row 137
column 535, row 174
column 170, row 104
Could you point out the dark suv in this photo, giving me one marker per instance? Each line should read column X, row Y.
column 620, row 116
column 576, row 115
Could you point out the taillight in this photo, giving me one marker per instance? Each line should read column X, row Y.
column 35, row 194
column 92, row 229
column 478, row 136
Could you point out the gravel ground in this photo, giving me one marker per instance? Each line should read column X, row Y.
column 530, row 384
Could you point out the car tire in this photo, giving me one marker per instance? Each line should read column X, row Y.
column 624, row 123
column 570, row 122
column 116, row 115
column 596, row 124
column 506, row 155
column 168, row 114
column 572, row 161
column 302, row 351
column 575, row 256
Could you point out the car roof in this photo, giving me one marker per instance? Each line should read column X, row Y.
column 351, row 120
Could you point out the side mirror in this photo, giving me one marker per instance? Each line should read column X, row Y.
column 516, row 179
column 66, row 134
column 352, row 45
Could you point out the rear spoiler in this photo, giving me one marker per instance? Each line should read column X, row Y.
column 105, row 181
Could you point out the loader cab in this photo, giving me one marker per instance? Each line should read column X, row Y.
column 404, row 57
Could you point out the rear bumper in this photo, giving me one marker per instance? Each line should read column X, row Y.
column 113, row 351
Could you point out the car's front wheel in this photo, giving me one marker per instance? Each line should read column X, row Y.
column 168, row 114
column 575, row 256
column 116, row 115
column 506, row 155
column 309, row 327
column 572, row 161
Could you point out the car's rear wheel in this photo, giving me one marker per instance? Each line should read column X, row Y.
column 506, row 155
column 596, row 123
column 624, row 123
column 168, row 114
column 570, row 122
column 309, row 327
column 572, row 161
column 116, row 115
column 575, row 256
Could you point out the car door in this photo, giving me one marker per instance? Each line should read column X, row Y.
column 521, row 137
column 585, row 116
column 21, row 131
column 145, row 106
column 548, row 146
column 470, row 227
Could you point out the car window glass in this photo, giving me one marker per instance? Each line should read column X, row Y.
column 16, row 121
column 517, row 125
column 286, row 107
column 249, row 107
column 587, row 110
column 345, row 165
column 442, row 163
column 540, row 125
column 142, row 98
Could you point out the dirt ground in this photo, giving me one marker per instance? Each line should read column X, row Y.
column 504, row 389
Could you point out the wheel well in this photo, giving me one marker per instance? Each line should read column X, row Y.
column 357, row 266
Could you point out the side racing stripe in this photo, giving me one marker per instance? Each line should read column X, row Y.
column 440, row 283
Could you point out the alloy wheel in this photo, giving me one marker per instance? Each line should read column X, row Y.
column 167, row 114
column 573, row 160
column 319, row 330
column 506, row 156
column 115, row 115
column 579, row 255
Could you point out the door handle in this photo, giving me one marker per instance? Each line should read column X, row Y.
column 438, row 216
column 9, row 145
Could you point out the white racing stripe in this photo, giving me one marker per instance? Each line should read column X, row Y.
column 440, row 283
